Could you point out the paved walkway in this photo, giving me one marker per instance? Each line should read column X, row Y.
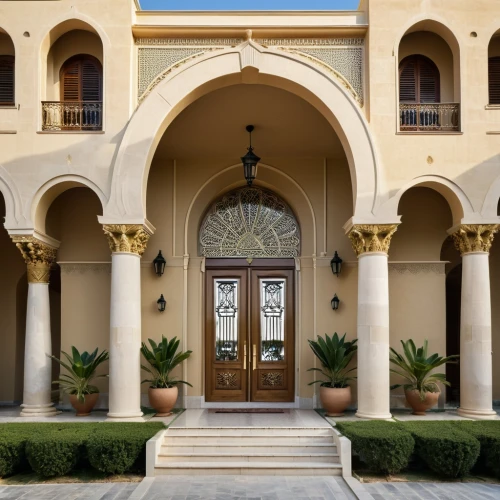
column 433, row 491
column 250, row 488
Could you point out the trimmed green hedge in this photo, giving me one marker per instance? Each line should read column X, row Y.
column 383, row 446
column 444, row 447
column 488, row 435
column 114, row 451
column 449, row 448
column 53, row 449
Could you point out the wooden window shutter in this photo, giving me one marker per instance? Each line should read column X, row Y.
column 7, row 65
column 494, row 80
column 81, row 78
column 408, row 82
column 418, row 80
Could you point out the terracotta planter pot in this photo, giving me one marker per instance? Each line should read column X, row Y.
column 335, row 401
column 163, row 400
column 84, row 409
column 419, row 406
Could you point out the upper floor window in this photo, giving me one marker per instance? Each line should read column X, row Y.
column 81, row 79
column 80, row 104
column 418, row 80
column 494, row 79
column 7, row 80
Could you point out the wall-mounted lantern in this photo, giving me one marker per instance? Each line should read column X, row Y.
column 335, row 302
column 336, row 264
column 250, row 160
column 159, row 264
column 162, row 303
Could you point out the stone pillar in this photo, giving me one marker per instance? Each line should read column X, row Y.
column 39, row 257
column 476, row 395
column 371, row 244
column 127, row 243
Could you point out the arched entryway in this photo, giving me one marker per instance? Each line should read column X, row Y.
column 250, row 237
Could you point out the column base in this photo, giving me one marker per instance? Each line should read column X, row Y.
column 47, row 410
column 374, row 416
column 128, row 416
column 478, row 414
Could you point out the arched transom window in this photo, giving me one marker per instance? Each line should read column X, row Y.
column 250, row 222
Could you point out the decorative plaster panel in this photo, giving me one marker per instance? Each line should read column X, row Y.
column 341, row 56
column 417, row 267
column 85, row 268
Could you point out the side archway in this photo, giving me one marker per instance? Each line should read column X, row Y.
column 248, row 63
column 460, row 205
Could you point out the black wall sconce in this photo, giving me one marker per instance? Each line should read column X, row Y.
column 161, row 303
column 159, row 264
column 336, row 264
column 335, row 302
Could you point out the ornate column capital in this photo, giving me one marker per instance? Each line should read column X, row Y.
column 474, row 237
column 132, row 238
column 368, row 238
column 38, row 255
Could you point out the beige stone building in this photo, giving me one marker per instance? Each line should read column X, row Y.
column 122, row 132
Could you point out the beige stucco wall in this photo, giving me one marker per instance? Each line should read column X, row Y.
column 186, row 175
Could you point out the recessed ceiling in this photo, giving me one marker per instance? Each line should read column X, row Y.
column 285, row 126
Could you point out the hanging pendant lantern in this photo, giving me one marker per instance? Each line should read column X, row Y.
column 250, row 160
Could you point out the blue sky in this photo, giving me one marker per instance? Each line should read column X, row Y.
column 249, row 4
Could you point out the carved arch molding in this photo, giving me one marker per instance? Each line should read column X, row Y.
column 342, row 57
column 250, row 222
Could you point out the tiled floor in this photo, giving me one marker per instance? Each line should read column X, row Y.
column 11, row 414
column 208, row 418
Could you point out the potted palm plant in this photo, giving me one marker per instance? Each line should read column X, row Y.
column 335, row 354
column 76, row 382
column 162, row 359
column 421, row 387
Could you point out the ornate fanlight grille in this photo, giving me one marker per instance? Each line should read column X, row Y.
column 250, row 222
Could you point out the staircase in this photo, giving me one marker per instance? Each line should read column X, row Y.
column 289, row 451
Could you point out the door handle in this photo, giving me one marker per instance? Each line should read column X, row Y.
column 245, row 356
column 254, row 364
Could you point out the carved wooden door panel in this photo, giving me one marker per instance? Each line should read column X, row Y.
column 249, row 335
column 226, row 335
column 272, row 336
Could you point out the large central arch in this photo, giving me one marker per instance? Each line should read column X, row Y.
column 247, row 63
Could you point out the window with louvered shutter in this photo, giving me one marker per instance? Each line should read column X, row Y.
column 6, row 80
column 494, row 80
column 418, row 80
column 81, row 79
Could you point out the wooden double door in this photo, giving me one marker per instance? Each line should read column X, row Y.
column 250, row 333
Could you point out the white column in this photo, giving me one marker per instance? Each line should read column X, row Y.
column 38, row 342
column 125, row 337
column 127, row 243
column 371, row 244
column 476, row 394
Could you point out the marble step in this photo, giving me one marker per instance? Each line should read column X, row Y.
column 245, row 456
column 249, row 468
column 237, row 449
column 268, row 439
column 251, row 431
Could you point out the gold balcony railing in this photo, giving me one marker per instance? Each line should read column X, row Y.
column 435, row 117
column 71, row 115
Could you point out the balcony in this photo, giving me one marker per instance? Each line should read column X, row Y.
column 71, row 115
column 432, row 117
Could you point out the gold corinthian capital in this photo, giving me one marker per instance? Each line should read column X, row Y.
column 474, row 237
column 367, row 238
column 39, row 257
column 132, row 238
